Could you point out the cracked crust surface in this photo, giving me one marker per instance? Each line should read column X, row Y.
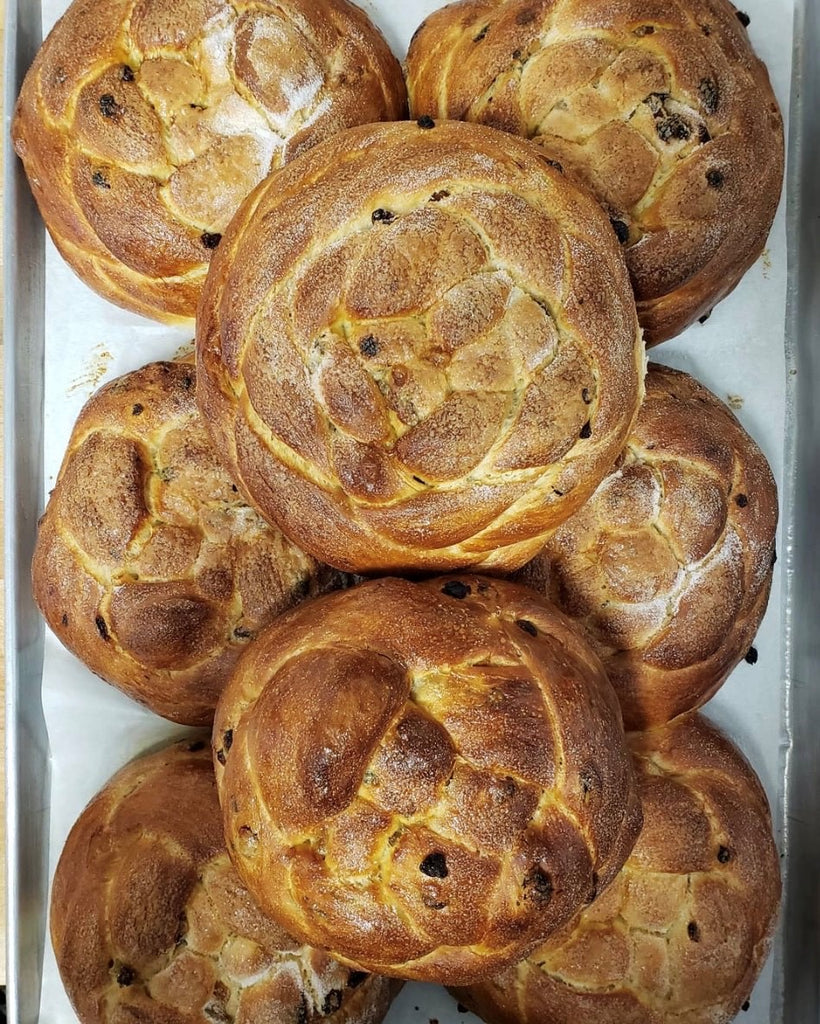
column 149, row 566
column 426, row 779
column 150, row 923
column 682, row 934
column 143, row 124
column 660, row 108
column 668, row 566
column 418, row 348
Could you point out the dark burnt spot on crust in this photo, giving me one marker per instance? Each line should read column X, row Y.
column 187, row 381
column 621, row 229
column 705, row 317
column 137, row 409
column 355, row 978
column 127, row 73
column 381, row 216
column 456, row 589
column 527, row 627
column 126, row 976
column 741, row 501
column 592, row 895
column 586, row 431
column 703, row 134
column 210, row 240
column 482, row 34
column 333, row 1000
column 538, row 885
column 109, row 106
column 220, row 756
column 724, row 855
column 743, row 18
column 526, row 17
column 242, row 633
column 227, row 740
column 709, row 94
column 644, row 30
column 100, row 180
column 369, row 346
column 586, row 397
column 64, row 619
column 714, row 178
column 673, row 126
column 746, row 1006
column 751, row 656
column 436, row 197
column 102, row 628
column 426, row 122
column 554, row 164
column 434, row 865
column 693, row 931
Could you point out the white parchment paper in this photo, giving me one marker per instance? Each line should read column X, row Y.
column 94, row 730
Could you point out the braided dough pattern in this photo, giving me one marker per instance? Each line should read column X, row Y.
column 660, row 107
column 150, row 923
column 668, row 566
column 418, row 348
column 149, row 566
column 143, row 124
column 424, row 779
column 681, row 935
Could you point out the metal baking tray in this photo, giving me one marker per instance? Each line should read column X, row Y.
column 42, row 776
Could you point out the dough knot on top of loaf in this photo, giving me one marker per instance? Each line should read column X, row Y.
column 424, row 778
column 142, row 129
column 662, row 110
column 418, row 348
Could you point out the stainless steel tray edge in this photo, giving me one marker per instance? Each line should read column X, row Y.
column 27, row 755
column 799, row 969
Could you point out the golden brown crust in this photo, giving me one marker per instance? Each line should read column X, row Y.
column 668, row 566
column 424, row 778
column 681, row 935
column 149, row 566
column 149, row 922
column 142, row 125
column 418, row 348
column 661, row 108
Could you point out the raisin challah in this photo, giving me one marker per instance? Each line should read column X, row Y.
column 668, row 566
column 143, row 124
column 148, row 564
column 425, row 779
column 682, row 934
column 418, row 348
column 149, row 922
column 659, row 107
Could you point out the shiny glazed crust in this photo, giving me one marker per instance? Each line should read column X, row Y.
column 143, row 124
column 149, row 566
column 418, row 348
column 681, row 935
column 426, row 779
column 668, row 567
column 660, row 107
column 149, row 922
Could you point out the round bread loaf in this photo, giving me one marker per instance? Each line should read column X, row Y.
column 659, row 107
column 418, row 349
column 668, row 566
column 142, row 125
column 681, row 935
column 150, row 923
column 148, row 565
column 425, row 779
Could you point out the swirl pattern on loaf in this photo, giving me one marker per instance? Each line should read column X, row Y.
column 425, row 779
column 143, row 124
column 418, row 348
column 659, row 107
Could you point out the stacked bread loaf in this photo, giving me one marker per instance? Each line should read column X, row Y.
column 420, row 368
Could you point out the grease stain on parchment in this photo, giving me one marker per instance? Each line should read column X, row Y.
column 94, row 372
column 767, row 263
column 735, row 402
column 185, row 353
